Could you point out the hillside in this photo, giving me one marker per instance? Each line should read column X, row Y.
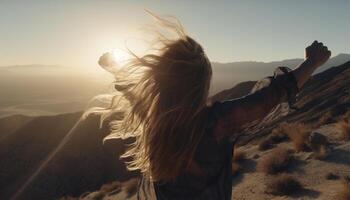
column 323, row 102
column 84, row 164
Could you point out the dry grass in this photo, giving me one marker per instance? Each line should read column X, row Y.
column 277, row 135
column 319, row 144
column 346, row 116
column 238, row 155
column 265, row 145
column 236, row 168
column 326, row 118
column 276, row 161
column 283, row 184
column 130, row 186
column 344, row 129
column 299, row 134
column 344, row 193
column 322, row 153
column 318, row 141
column 332, row 176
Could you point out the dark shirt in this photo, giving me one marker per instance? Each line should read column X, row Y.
column 215, row 150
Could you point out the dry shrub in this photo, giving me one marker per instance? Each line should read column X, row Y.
column 326, row 118
column 236, row 168
column 319, row 144
column 109, row 187
column 283, row 184
column 238, row 155
column 331, row 176
column 130, row 186
column 279, row 134
column 344, row 193
column 346, row 116
column 318, row 141
column 321, row 153
column 276, row 161
column 299, row 134
column 344, row 128
column 265, row 145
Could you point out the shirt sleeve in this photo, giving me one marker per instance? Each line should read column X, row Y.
column 233, row 115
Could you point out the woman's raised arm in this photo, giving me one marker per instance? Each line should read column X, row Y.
column 233, row 114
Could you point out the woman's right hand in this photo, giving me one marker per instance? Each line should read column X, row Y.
column 107, row 60
column 317, row 53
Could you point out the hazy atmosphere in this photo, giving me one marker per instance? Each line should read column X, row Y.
column 52, row 41
column 76, row 33
column 267, row 117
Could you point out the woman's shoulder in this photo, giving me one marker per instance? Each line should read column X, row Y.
column 214, row 127
column 214, row 110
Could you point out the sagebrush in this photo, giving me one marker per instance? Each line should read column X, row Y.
column 276, row 161
column 283, row 184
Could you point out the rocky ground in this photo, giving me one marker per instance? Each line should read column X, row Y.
column 320, row 178
column 312, row 173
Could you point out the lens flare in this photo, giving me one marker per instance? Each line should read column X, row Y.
column 120, row 56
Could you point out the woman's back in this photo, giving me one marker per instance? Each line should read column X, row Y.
column 210, row 174
column 207, row 177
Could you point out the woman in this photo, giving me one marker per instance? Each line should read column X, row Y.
column 182, row 143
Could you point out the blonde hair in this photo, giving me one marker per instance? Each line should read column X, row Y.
column 165, row 95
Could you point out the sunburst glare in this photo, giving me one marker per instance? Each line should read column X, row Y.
column 120, row 56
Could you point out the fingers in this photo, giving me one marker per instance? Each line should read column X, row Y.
column 317, row 45
column 318, row 53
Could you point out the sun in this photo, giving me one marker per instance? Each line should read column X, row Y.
column 120, row 56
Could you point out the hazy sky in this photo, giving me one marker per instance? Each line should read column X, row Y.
column 76, row 32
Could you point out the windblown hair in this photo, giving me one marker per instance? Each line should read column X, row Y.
column 161, row 101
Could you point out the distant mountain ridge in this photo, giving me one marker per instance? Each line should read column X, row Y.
column 53, row 89
column 226, row 75
column 33, row 66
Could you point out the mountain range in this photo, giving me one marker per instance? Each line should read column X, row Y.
column 48, row 90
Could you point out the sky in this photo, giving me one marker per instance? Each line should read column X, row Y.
column 77, row 32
